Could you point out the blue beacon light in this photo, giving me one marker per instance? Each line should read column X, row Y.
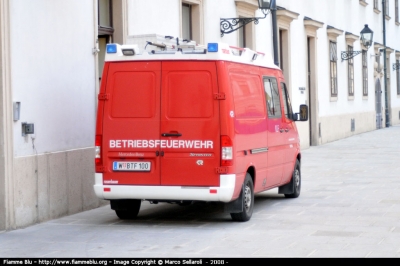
column 111, row 48
column 212, row 47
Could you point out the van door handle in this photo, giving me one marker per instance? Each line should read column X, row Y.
column 171, row 134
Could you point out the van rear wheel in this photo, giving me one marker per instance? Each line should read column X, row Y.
column 131, row 210
column 248, row 201
column 185, row 202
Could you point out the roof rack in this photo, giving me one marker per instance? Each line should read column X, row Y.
column 157, row 47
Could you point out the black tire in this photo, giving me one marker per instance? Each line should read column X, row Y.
column 131, row 212
column 185, row 203
column 296, row 179
column 248, row 201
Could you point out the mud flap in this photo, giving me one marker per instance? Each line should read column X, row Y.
column 235, row 206
column 287, row 189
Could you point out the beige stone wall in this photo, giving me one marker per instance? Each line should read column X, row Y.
column 339, row 127
column 53, row 185
column 304, row 133
column 395, row 116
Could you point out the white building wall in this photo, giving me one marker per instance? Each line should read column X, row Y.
column 214, row 10
column 327, row 13
column 349, row 16
column 53, row 74
column 299, row 62
column 156, row 16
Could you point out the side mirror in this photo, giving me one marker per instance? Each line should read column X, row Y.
column 303, row 115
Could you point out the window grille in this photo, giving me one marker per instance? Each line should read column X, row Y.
column 333, row 63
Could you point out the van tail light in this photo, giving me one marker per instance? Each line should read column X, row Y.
column 97, row 159
column 226, row 151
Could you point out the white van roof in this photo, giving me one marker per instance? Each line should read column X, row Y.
column 187, row 51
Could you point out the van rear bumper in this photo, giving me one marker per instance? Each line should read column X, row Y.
column 222, row 193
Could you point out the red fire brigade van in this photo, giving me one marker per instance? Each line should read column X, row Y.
column 194, row 123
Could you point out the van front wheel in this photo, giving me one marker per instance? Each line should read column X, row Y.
column 296, row 179
column 247, row 197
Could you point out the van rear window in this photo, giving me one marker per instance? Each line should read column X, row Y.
column 134, row 95
column 190, row 94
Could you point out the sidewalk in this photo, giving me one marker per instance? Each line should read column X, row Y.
column 349, row 207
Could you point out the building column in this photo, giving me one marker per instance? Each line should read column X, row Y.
column 7, row 218
column 314, row 124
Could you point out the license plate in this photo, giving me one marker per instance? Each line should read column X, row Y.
column 131, row 166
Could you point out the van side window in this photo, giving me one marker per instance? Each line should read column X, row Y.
column 272, row 97
column 248, row 99
column 286, row 102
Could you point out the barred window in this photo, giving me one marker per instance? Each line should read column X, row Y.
column 365, row 72
column 186, row 21
column 105, row 17
column 333, row 63
column 386, row 7
column 105, row 30
column 350, row 72
column 398, row 76
column 192, row 20
column 246, row 33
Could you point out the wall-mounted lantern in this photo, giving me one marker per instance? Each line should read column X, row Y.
column 367, row 36
column 229, row 25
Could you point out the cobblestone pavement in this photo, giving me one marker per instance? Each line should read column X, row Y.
column 349, row 207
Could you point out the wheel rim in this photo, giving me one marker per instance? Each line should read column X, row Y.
column 297, row 179
column 247, row 197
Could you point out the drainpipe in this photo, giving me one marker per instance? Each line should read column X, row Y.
column 95, row 55
column 274, row 32
column 384, row 64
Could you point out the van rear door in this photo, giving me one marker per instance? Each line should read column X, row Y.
column 190, row 130
column 131, row 120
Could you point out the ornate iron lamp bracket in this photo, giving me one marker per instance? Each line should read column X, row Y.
column 349, row 55
column 229, row 25
column 396, row 66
